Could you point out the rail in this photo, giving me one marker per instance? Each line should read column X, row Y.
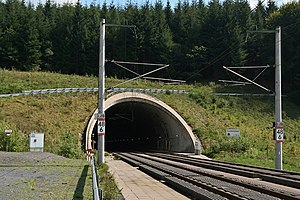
column 204, row 179
column 97, row 192
column 67, row 90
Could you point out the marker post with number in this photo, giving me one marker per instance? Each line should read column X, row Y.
column 101, row 91
column 101, row 126
column 279, row 133
column 278, row 100
column 8, row 133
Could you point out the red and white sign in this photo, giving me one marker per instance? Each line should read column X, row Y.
column 8, row 132
column 279, row 133
column 101, row 126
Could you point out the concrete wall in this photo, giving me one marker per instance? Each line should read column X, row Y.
column 172, row 133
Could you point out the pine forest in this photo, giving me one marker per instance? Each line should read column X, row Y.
column 195, row 38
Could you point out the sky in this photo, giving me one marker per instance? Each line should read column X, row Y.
column 253, row 3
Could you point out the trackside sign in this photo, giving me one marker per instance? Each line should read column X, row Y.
column 279, row 132
column 101, row 126
column 233, row 132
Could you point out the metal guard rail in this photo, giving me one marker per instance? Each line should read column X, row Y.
column 97, row 192
column 66, row 90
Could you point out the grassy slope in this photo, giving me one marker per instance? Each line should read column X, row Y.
column 39, row 176
column 209, row 116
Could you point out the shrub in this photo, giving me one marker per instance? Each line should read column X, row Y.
column 236, row 145
column 107, row 183
column 16, row 142
column 201, row 98
column 69, row 147
column 232, row 145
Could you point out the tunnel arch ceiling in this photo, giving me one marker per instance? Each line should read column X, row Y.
column 139, row 122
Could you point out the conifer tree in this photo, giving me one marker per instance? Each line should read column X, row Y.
column 9, row 38
column 288, row 17
column 30, row 44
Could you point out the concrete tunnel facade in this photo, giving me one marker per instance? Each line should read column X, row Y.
column 139, row 122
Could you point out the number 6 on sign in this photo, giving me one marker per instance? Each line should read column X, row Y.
column 101, row 126
column 279, row 133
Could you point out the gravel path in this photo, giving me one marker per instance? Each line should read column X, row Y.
column 40, row 175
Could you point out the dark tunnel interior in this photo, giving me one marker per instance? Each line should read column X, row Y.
column 134, row 126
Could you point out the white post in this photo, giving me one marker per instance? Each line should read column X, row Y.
column 101, row 91
column 278, row 102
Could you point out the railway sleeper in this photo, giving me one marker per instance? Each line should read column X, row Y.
column 253, row 185
column 281, row 181
column 157, row 174
column 193, row 191
column 189, row 176
column 286, row 178
column 226, row 189
column 212, row 166
column 128, row 160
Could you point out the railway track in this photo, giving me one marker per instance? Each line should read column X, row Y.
column 207, row 179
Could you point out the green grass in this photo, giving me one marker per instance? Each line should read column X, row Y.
column 55, row 178
column 107, row 183
column 15, row 82
column 253, row 116
column 208, row 115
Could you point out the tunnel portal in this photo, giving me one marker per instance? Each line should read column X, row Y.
column 139, row 122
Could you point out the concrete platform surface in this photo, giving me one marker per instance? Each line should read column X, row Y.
column 137, row 185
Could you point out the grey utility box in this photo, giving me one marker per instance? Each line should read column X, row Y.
column 36, row 142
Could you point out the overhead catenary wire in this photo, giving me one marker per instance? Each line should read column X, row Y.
column 238, row 83
column 164, row 79
column 136, row 63
column 119, row 63
column 146, row 77
column 221, row 55
column 293, row 24
column 284, row 28
column 214, row 61
column 126, row 68
column 251, row 67
column 140, row 76
column 245, row 78
column 260, row 73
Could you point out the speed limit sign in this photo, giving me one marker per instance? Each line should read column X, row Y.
column 279, row 133
column 101, row 126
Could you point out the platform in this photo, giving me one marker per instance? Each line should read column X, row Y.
column 136, row 185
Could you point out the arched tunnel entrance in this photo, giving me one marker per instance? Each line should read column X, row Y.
column 139, row 122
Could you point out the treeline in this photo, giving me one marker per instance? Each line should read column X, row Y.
column 195, row 38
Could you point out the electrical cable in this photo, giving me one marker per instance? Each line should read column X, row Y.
column 293, row 24
column 220, row 55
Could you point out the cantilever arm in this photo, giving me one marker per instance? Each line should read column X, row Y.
column 254, row 83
